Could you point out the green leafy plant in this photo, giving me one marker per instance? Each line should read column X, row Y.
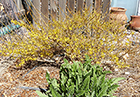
column 81, row 80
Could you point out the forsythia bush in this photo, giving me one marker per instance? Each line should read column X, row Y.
column 79, row 35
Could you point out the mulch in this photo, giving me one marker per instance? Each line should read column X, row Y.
column 19, row 82
column 15, row 82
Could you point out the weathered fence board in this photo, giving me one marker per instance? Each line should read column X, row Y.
column 53, row 8
column 45, row 10
column 71, row 6
column 80, row 5
column 19, row 5
column 62, row 8
column 89, row 5
column 36, row 10
column 98, row 4
column 58, row 8
column 105, row 8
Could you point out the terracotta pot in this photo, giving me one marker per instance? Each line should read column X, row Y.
column 118, row 14
column 135, row 22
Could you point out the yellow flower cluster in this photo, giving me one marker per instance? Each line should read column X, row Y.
column 79, row 35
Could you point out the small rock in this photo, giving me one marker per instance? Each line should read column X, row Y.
column 130, row 78
column 136, row 91
column 108, row 62
column 116, row 69
column 129, row 36
column 126, row 56
column 127, row 72
column 56, row 58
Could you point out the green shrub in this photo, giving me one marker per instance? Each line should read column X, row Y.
column 81, row 80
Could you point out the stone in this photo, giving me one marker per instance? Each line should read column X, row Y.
column 116, row 69
column 127, row 73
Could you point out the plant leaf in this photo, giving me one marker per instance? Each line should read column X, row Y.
column 112, row 88
column 48, row 77
column 85, row 84
column 103, row 91
column 115, row 80
column 93, row 93
column 70, row 90
column 54, row 92
column 40, row 94
column 80, row 93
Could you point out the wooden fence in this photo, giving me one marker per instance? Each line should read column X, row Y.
column 57, row 8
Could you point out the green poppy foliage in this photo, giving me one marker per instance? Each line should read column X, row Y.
column 81, row 80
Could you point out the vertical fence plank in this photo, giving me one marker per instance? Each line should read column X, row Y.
column 80, row 4
column 53, row 8
column 43, row 7
column 89, row 4
column 62, row 8
column 13, row 4
column 44, row 10
column 19, row 5
column 97, row 5
column 106, row 5
column 36, row 14
column 20, row 9
column 105, row 9
column 71, row 6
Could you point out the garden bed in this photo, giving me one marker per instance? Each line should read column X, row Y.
column 23, row 81
column 14, row 82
